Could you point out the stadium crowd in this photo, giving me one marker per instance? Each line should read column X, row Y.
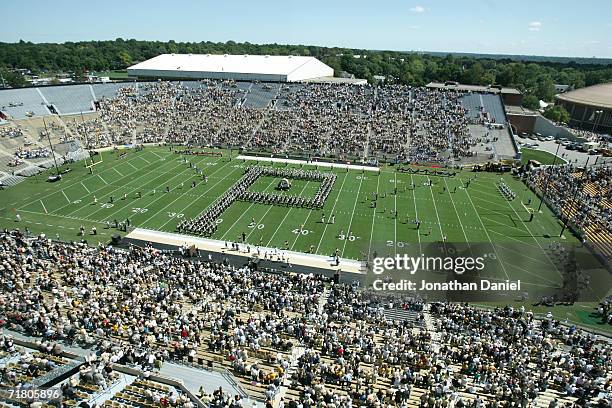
column 144, row 307
column 583, row 195
column 396, row 122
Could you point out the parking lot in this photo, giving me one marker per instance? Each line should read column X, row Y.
column 572, row 156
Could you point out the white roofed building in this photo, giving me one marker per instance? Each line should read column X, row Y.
column 269, row 68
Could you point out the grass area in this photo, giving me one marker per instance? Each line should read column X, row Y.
column 477, row 215
column 120, row 74
column 540, row 155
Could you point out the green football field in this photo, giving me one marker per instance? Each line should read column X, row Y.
column 447, row 210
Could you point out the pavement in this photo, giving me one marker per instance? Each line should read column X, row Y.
column 572, row 156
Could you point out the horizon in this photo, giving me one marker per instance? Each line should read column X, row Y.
column 426, row 26
column 429, row 52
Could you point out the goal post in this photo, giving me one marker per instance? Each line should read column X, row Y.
column 92, row 161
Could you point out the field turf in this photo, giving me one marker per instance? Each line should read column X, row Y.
column 478, row 214
column 540, row 155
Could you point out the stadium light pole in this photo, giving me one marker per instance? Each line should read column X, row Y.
column 51, row 146
column 548, row 178
column 573, row 202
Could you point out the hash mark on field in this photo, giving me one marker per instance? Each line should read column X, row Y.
column 104, row 181
column 85, row 187
column 43, row 206
column 118, row 172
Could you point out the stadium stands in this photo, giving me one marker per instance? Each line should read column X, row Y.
column 485, row 105
column 298, row 337
column 19, row 103
column 70, row 99
column 260, row 95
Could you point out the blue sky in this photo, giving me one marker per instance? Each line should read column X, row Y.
column 534, row 27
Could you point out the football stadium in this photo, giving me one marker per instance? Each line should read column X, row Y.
column 225, row 230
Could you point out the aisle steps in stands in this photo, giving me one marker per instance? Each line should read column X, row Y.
column 413, row 317
column 10, row 180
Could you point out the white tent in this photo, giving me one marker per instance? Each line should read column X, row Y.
column 237, row 67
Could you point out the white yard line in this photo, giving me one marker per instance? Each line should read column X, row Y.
column 332, row 212
column 458, row 217
column 373, row 220
column 68, row 186
column 132, row 166
column 284, row 218
column 157, row 155
column 200, row 195
column 534, row 238
column 247, row 210
column 65, row 196
column 85, row 187
column 500, row 223
column 257, row 222
column 395, row 212
column 435, row 208
column 98, row 189
column 161, row 194
column 416, row 213
column 487, row 234
column 117, row 171
column 304, row 223
column 352, row 215
column 43, row 206
column 104, row 181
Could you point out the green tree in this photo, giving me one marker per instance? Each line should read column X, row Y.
column 545, row 88
column 124, row 58
column 531, row 102
column 12, row 79
column 557, row 114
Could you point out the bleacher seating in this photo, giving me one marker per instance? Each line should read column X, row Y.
column 107, row 90
column 27, row 99
column 492, row 105
column 258, row 97
column 69, row 99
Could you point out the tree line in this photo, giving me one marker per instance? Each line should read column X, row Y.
column 535, row 79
